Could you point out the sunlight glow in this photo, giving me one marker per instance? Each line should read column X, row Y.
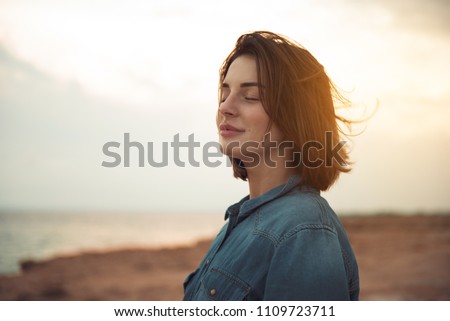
column 152, row 67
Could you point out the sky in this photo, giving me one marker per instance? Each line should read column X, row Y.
column 75, row 75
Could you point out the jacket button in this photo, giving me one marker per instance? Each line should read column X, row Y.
column 212, row 292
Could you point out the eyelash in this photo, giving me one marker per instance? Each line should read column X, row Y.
column 246, row 98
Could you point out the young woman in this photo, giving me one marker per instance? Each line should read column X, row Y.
column 277, row 123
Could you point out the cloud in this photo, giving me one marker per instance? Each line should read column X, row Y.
column 52, row 134
column 431, row 16
column 74, row 76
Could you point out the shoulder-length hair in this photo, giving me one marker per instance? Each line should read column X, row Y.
column 299, row 98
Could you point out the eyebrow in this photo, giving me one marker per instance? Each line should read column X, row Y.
column 244, row 84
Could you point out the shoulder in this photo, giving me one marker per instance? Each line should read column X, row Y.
column 301, row 206
column 299, row 210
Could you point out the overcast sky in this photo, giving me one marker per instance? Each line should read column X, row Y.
column 75, row 75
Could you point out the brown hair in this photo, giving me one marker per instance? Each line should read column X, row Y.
column 299, row 98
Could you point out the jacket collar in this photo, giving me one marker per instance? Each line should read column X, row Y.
column 246, row 206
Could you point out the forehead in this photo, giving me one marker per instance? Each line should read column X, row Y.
column 242, row 69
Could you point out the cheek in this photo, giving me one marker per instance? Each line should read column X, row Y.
column 260, row 123
column 217, row 119
column 276, row 134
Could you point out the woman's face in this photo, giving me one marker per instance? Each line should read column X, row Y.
column 241, row 118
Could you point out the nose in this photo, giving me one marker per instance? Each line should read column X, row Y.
column 228, row 107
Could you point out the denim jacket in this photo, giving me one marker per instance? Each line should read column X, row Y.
column 286, row 244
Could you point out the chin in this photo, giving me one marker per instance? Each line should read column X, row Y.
column 227, row 149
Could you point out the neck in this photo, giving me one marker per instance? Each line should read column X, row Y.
column 263, row 179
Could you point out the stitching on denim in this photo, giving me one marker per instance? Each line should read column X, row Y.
column 290, row 233
column 354, row 283
column 303, row 227
column 259, row 232
column 234, row 279
column 324, row 217
column 348, row 266
column 349, row 270
column 323, row 213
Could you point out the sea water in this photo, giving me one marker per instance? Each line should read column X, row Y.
column 44, row 235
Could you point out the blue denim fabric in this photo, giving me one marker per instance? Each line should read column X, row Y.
column 286, row 244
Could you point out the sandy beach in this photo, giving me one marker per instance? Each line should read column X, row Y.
column 400, row 258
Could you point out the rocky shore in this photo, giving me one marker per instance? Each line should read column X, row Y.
column 400, row 258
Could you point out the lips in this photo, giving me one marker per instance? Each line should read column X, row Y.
column 228, row 130
column 229, row 127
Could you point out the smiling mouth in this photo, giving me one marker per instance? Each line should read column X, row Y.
column 226, row 130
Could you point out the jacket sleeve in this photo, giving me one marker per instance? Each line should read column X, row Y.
column 307, row 265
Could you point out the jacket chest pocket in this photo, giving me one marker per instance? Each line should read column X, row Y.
column 220, row 285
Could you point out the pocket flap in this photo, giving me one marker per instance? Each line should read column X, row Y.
column 220, row 285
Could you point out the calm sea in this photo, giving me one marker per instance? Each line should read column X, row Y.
column 40, row 235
